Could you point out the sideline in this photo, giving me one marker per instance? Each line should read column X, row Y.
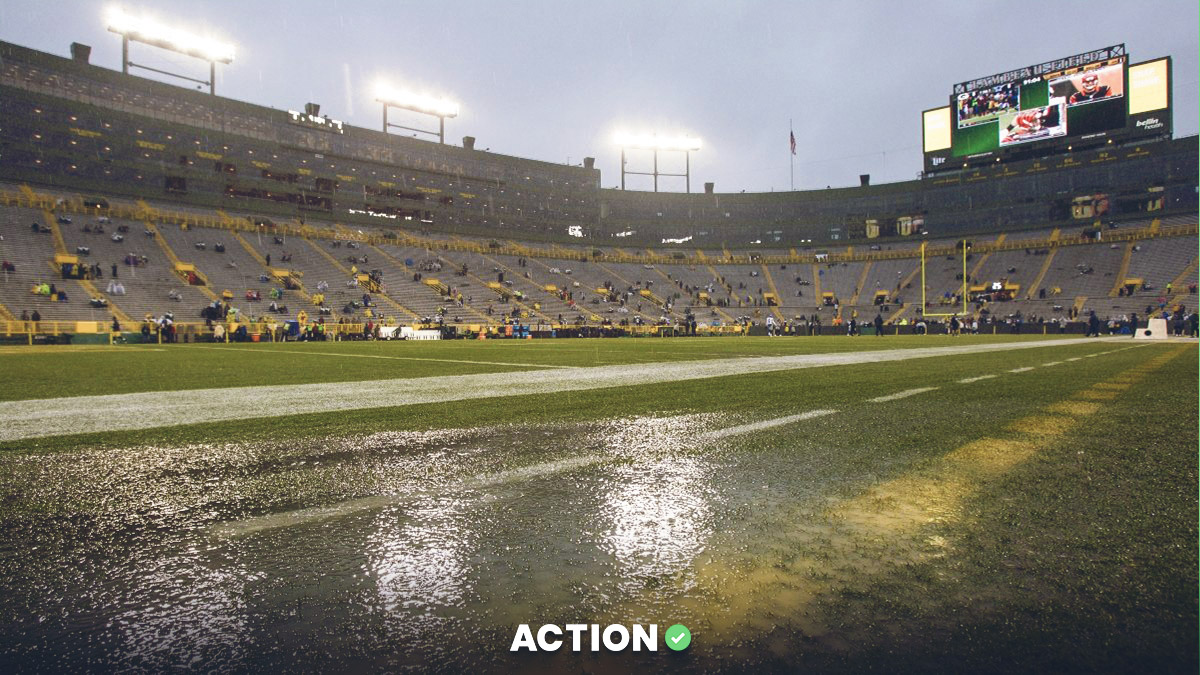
column 148, row 410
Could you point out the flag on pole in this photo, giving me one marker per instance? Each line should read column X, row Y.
column 792, row 136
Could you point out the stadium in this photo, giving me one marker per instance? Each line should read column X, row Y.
column 286, row 393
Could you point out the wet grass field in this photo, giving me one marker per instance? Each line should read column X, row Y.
column 1033, row 509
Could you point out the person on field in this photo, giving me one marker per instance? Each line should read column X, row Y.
column 879, row 324
column 1093, row 325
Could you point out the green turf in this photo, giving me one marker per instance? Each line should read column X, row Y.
column 757, row 396
column 36, row 372
column 1081, row 557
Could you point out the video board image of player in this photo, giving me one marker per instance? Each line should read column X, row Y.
column 984, row 105
column 1035, row 124
column 1088, row 86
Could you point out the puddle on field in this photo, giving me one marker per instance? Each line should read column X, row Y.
column 425, row 549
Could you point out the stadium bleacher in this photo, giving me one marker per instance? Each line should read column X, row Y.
column 438, row 225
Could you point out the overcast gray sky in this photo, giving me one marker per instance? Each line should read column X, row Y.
column 553, row 80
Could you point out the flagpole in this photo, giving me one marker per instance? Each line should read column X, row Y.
column 791, row 158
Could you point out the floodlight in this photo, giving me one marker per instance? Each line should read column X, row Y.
column 440, row 108
column 149, row 31
column 657, row 143
column 422, row 103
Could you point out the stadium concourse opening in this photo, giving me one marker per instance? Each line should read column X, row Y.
column 287, row 393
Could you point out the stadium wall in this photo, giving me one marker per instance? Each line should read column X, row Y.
column 81, row 127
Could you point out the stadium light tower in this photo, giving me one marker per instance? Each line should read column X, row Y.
column 418, row 103
column 148, row 31
column 685, row 144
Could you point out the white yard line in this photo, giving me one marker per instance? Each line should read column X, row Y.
column 351, row 506
column 1026, row 369
column 148, row 410
column 977, row 378
column 758, row 426
column 290, row 352
column 1052, row 363
column 901, row 394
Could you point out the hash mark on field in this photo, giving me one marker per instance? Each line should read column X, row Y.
column 969, row 380
column 758, row 426
column 1021, row 370
column 900, row 395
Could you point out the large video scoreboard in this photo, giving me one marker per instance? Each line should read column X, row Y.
column 1086, row 100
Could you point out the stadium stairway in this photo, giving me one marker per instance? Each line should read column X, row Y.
column 549, row 302
column 1122, row 271
column 422, row 298
column 176, row 263
column 862, row 282
column 526, row 306
column 766, row 270
column 611, row 271
column 148, row 285
column 26, row 250
column 680, row 279
column 299, row 291
column 628, row 270
column 541, row 277
column 1041, row 276
column 974, row 272
column 408, row 313
column 89, row 291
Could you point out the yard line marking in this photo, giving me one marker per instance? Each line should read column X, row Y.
column 1075, row 358
column 147, row 410
column 758, row 426
column 290, row 352
column 969, row 380
column 351, row 506
column 1021, row 370
column 1052, row 363
column 899, row 395
column 301, row 516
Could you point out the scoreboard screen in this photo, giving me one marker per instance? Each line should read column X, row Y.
column 1041, row 109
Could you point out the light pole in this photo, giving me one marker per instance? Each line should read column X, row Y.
column 155, row 34
column 418, row 103
column 656, row 144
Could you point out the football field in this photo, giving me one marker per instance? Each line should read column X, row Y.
column 908, row 502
